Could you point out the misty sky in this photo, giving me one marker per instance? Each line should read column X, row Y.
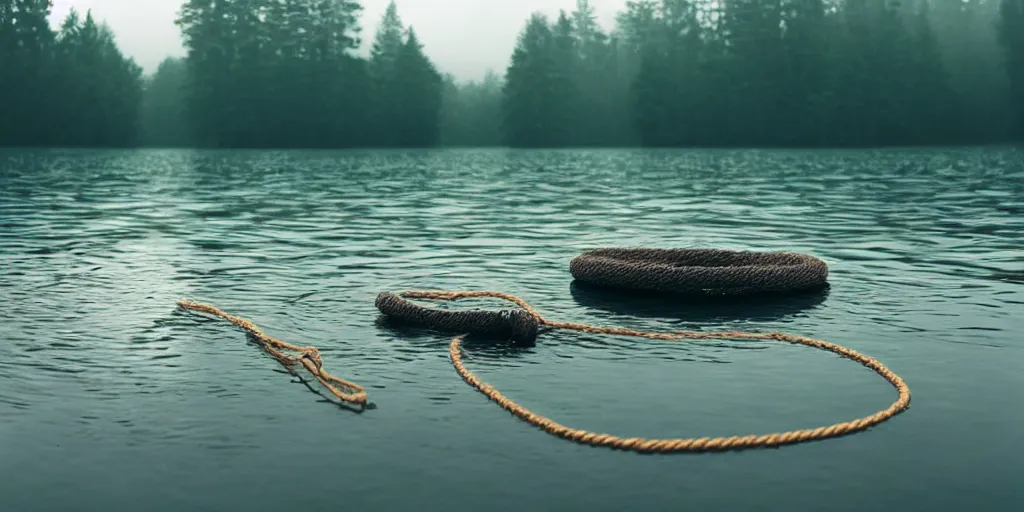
column 463, row 37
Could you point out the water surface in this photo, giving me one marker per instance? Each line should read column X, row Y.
column 113, row 399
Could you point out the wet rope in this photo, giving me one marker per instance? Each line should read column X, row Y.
column 699, row 270
column 311, row 360
column 702, row 444
column 308, row 357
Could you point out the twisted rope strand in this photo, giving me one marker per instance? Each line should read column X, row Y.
column 702, row 444
column 309, row 357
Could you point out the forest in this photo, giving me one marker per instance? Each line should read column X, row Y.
column 669, row 73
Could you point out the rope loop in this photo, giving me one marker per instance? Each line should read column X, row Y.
column 522, row 325
column 702, row 444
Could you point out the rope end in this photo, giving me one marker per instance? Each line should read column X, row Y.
column 190, row 305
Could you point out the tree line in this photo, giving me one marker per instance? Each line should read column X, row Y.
column 69, row 86
column 673, row 73
column 771, row 73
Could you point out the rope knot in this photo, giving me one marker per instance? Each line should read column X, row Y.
column 313, row 354
column 522, row 324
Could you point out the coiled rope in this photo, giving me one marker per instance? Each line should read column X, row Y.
column 310, row 359
column 699, row 270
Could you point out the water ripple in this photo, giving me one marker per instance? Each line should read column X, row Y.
column 924, row 248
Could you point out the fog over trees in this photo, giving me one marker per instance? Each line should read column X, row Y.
column 670, row 73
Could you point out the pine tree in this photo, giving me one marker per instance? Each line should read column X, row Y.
column 383, row 69
column 754, row 59
column 211, row 54
column 526, row 118
column 340, row 80
column 419, row 96
column 637, row 27
column 454, row 117
column 25, row 50
column 471, row 112
column 1011, row 35
column 637, row 22
column 672, row 87
column 98, row 89
column 804, row 100
column 973, row 61
column 933, row 106
column 407, row 88
column 282, row 73
column 597, row 80
column 563, row 99
column 539, row 105
column 269, row 73
column 654, row 112
column 163, row 117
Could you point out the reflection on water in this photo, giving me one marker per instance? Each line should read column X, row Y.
column 700, row 310
column 109, row 394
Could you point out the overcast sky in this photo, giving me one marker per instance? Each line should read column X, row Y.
column 463, row 37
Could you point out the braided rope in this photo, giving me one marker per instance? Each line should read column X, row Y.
column 514, row 324
column 309, row 357
column 701, row 271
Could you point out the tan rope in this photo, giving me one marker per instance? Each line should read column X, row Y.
column 673, row 445
column 310, row 358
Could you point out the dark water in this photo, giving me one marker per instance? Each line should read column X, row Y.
column 112, row 399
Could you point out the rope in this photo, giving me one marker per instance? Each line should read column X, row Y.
column 311, row 359
column 702, row 444
column 517, row 325
column 699, row 271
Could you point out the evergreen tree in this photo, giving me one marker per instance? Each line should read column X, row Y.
column 539, row 104
column 407, row 88
column 383, row 67
column 96, row 89
column 527, row 122
column 207, row 34
column 454, row 119
column 419, row 96
column 804, row 102
column 564, row 104
column 283, row 73
column 267, row 73
column 1011, row 35
column 673, row 81
column 654, row 112
column 932, row 105
column 351, row 104
column 472, row 112
column 598, row 80
column 163, row 118
column 753, row 34
column 638, row 22
column 973, row 61
column 26, row 44
column 341, row 82
column 639, row 55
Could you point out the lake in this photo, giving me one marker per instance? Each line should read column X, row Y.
column 112, row 398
